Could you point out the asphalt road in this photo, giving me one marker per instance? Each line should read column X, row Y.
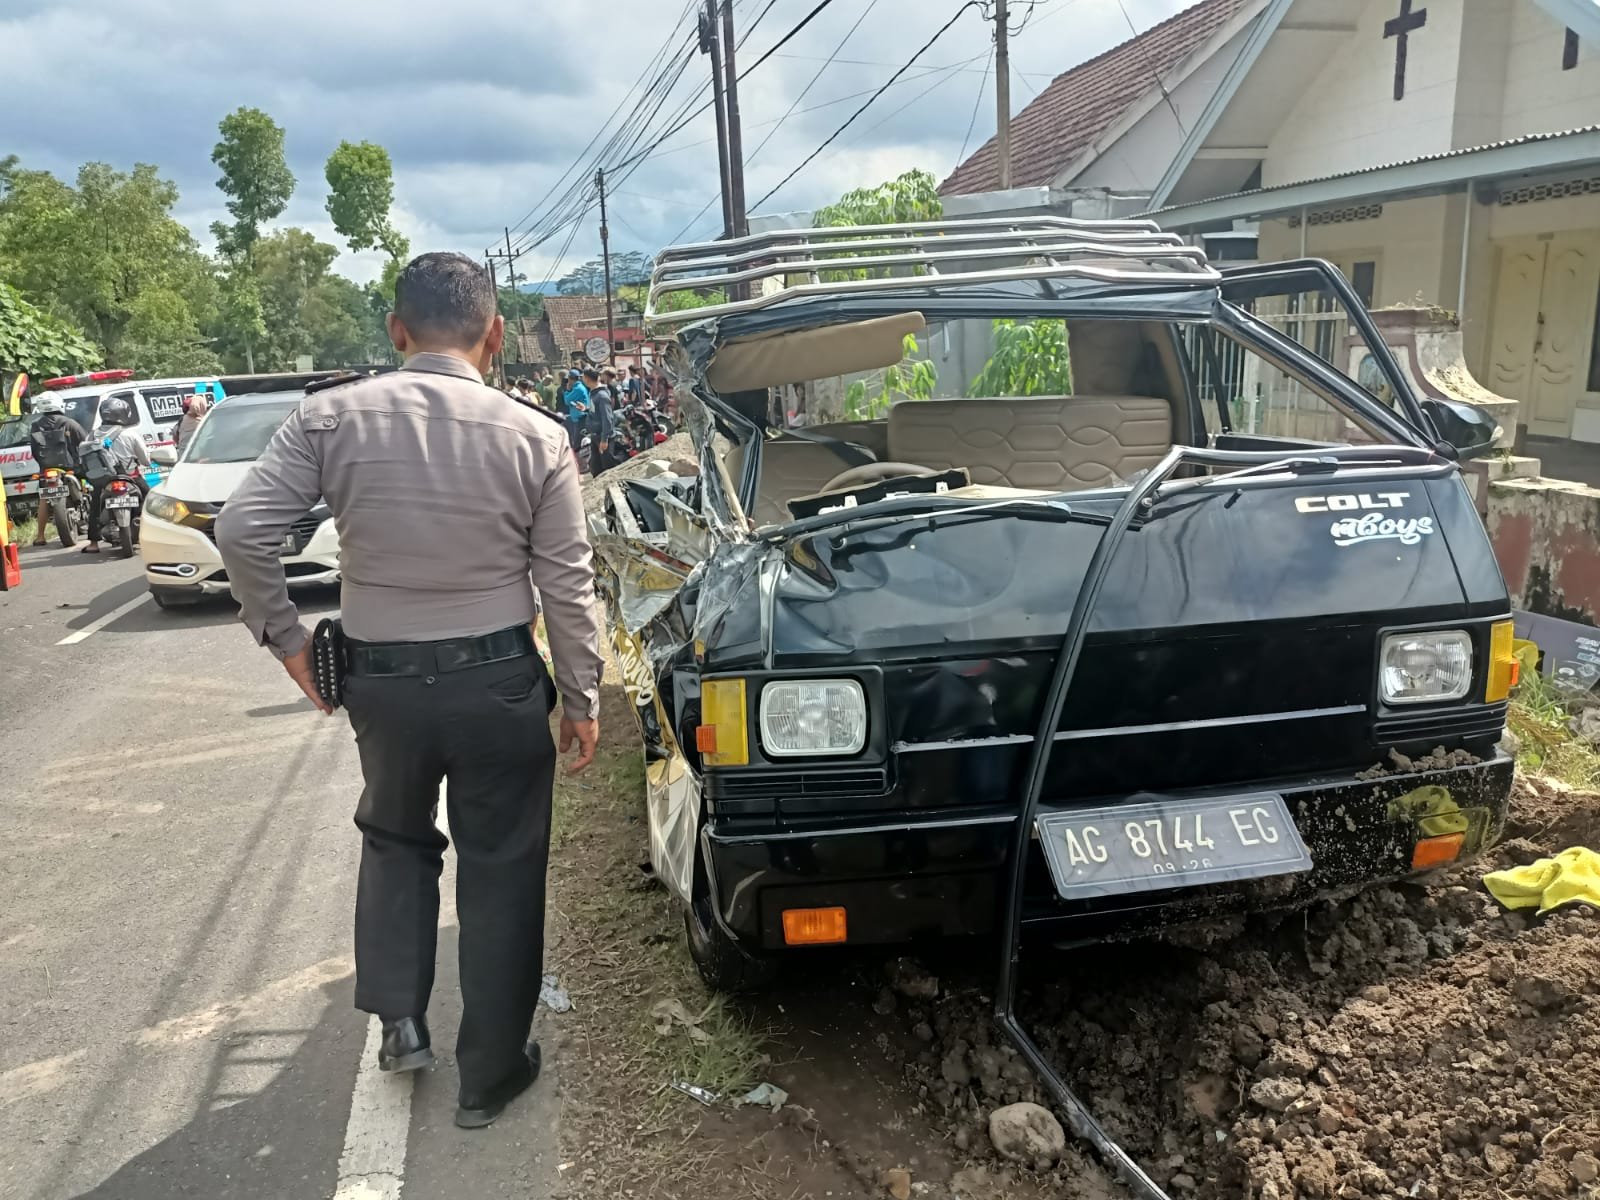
column 175, row 975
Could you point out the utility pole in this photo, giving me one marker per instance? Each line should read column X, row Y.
column 1002, row 94
column 511, row 281
column 709, row 44
column 730, row 88
column 494, row 283
column 605, row 257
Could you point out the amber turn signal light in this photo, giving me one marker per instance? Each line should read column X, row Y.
column 813, row 926
column 1437, row 851
column 1504, row 667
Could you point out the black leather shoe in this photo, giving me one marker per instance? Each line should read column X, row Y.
column 405, row 1045
column 477, row 1111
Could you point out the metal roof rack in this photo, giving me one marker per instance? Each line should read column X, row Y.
column 787, row 264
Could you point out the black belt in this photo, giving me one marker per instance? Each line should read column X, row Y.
column 435, row 658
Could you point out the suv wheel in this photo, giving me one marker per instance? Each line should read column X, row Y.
column 724, row 965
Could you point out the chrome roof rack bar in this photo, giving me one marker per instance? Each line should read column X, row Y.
column 922, row 253
column 962, row 225
column 995, row 244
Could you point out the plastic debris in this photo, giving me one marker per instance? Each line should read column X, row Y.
column 767, row 1094
column 553, row 996
column 670, row 1014
column 695, row 1092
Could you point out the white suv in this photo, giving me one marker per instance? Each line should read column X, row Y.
column 177, row 537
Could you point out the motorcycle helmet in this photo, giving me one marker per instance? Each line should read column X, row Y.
column 117, row 412
column 660, row 437
column 48, row 404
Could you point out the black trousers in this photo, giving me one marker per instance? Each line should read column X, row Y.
column 486, row 731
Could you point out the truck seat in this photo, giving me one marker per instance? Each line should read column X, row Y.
column 1049, row 443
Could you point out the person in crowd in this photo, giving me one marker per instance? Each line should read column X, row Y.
column 54, row 439
column 600, row 421
column 577, row 408
column 193, row 414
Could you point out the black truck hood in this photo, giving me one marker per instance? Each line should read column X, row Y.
column 1402, row 549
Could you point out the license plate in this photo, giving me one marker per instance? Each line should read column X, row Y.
column 289, row 545
column 1164, row 844
column 130, row 500
column 52, row 490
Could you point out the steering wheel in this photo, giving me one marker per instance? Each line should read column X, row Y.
column 874, row 472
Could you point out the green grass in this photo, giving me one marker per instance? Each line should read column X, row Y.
column 24, row 533
column 1541, row 719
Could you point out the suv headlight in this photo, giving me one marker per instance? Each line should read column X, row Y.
column 165, row 508
column 813, row 716
column 1421, row 668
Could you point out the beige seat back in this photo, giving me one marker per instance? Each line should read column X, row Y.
column 1051, row 443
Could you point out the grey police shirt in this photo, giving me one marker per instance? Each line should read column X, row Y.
column 452, row 501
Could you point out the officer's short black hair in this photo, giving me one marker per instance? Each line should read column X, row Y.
column 445, row 296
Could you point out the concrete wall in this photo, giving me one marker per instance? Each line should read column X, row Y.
column 1406, row 242
column 1546, row 534
column 1347, row 117
column 1539, row 96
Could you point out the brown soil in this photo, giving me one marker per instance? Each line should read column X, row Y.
column 1413, row 1041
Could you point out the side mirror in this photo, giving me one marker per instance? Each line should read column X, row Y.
column 163, row 456
column 1466, row 427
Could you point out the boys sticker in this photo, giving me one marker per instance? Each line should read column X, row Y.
column 1369, row 526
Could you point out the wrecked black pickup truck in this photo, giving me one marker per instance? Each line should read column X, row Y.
column 1039, row 577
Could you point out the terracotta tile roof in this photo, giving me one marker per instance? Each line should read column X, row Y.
column 568, row 314
column 1080, row 105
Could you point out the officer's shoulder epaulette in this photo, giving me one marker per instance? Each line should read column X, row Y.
column 532, row 406
column 333, row 381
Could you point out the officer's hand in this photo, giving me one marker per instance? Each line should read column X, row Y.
column 299, row 668
column 586, row 734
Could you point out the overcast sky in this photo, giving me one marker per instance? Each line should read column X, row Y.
column 483, row 110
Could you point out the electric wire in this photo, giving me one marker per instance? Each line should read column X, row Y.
column 940, row 32
column 976, row 101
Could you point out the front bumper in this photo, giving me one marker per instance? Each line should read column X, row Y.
column 180, row 558
column 944, row 875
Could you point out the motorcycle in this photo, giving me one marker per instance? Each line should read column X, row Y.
column 63, row 504
column 119, row 514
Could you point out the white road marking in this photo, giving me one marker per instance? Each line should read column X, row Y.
column 99, row 623
column 372, row 1166
column 373, row 1163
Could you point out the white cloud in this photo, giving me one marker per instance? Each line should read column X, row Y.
column 483, row 119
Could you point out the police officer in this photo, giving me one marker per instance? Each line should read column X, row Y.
column 446, row 494
column 54, row 439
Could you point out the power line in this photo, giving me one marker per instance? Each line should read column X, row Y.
column 865, row 13
column 940, row 32
column 976, row 101
column 932, row 87
column 663, row 50
column 781, row 42
column 1154, row 74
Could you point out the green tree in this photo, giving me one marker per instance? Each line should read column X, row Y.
column 255, row 177
column 516, row 304
column 90, row 253
column 1030, row 358
column 360, row 194
column 32, row 340
column 909, row 379
column 913, row 196
column 587, row 280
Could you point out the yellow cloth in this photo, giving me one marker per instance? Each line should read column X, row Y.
column 1549, row 883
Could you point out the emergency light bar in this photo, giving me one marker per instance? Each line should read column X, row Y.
column 66, row 381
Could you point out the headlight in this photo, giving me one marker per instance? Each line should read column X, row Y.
column 165, row 508
column 813, row 716
column 1419, row 668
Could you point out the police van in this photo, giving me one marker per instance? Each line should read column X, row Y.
column 158, row 404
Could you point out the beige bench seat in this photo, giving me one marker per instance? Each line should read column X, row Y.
column 1040, row 443
column 1049, row 443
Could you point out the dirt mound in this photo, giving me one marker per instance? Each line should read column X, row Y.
column 1412, row 1041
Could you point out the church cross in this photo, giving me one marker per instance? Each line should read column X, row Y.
column 1398, row 28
